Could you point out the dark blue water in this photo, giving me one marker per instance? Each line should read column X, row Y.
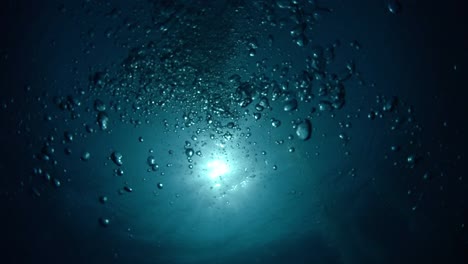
column 233, row 132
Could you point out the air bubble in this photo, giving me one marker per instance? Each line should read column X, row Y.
column 275, row 122
column 119, row 172
column 99, row 105
column 304, row 130
column 301, row 40
column 189, row 152
column 103, row 120
column 394, row 6
column 390, row 104
column 257, row 116
column 151, row 160
column 290, row 105
column 264, row 103
column 103, row 199
column 68, row 137
column 395, row 148
column 57, row 183
column 116, row 157
column 426, row 176
column 85, row 156
column 104, row 222
column 47, row 176
column 411, row 159
column 325, row 106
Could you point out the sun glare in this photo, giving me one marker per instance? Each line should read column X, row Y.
column 217, row 168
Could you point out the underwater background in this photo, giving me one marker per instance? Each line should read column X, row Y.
column 233, row 131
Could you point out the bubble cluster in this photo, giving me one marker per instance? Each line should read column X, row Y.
column 225, row 89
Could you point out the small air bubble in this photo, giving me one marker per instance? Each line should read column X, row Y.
column 85, row 156
column 104, row 222
column 103, row 199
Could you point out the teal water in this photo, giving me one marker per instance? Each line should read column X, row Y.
column 233, row 132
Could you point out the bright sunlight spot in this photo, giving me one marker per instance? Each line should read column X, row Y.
column 217, row 168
